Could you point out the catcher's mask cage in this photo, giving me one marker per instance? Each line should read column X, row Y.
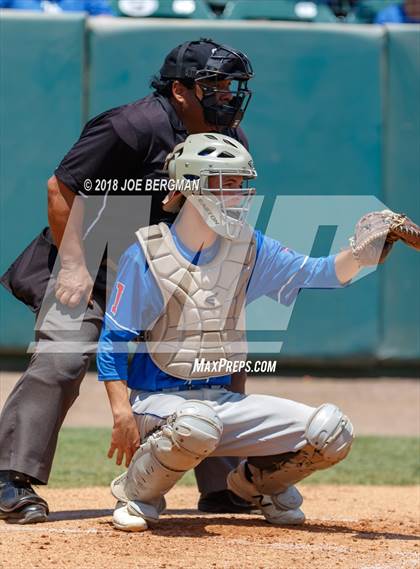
column 224, row 63
column 215, row 160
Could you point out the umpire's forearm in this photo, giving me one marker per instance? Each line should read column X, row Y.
column 65, row 216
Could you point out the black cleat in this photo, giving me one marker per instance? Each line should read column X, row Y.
column 20, row 504
column 224, row 502
column 34, row 514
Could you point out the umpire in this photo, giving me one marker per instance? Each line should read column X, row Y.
column 202, row 86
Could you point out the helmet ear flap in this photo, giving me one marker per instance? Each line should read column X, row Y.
column 172, row 169
column 170, row 160
column 169, row 165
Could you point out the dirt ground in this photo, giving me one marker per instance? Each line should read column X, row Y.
column 347, row 527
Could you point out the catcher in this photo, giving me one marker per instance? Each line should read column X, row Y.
column 208, row 265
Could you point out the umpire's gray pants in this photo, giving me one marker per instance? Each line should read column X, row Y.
column 35, row 410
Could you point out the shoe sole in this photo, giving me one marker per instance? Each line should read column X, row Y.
column 30, row 518
column 129, row 529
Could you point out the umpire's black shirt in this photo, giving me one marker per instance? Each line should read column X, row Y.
column 129, row 142
column 126, row 143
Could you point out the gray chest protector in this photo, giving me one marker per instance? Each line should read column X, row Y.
column 204, row 306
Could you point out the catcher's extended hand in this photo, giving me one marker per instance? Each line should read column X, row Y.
column 376, row 233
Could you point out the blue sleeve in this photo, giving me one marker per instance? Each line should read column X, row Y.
column 112, row 355
column 125, row 310
column 281, row 273
column 122, row 321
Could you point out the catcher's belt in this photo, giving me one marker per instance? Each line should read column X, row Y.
column 377, row 231
column 203, row 315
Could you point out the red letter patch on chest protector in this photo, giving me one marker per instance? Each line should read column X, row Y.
column 120, row 290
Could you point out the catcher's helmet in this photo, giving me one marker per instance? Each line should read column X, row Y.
column 210, row 158
column 207, row 63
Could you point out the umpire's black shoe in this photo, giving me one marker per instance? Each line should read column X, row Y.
column 224, row 502
column 19, row 503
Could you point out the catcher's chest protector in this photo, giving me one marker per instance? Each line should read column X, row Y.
column 204, row 313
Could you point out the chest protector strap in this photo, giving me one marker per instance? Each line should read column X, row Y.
column 203, row 317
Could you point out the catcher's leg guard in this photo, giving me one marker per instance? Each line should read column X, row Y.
column 329, row 434
column 189, row 435
column 268, row 480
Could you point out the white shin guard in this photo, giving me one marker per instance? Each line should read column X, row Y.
column 329, row 434
column 191, row 434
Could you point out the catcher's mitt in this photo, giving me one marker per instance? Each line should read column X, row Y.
column 376, row 233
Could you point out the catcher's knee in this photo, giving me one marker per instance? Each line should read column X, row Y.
column 188, row 436
column 196, row 429
column 330, row 432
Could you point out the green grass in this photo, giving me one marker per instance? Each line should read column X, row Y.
column 81, row 461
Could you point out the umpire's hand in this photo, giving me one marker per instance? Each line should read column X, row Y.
column 73, row 284
column 74, row 281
